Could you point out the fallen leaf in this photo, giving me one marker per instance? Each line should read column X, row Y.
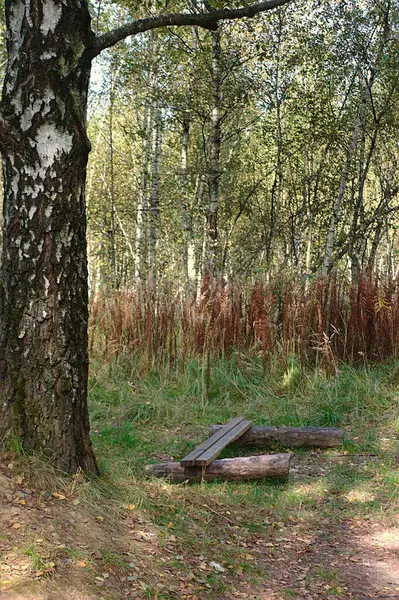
column 58, row 496
column 217, row 567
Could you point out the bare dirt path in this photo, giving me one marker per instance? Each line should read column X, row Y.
column 54, row 546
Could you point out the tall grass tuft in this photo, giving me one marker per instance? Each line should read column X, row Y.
column 324, row 322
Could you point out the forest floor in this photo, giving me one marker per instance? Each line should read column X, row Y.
column 330, row 532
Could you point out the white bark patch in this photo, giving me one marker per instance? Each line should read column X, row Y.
column 15, row 184
column 32, row 211
column 39, row 187
column 29, row 112
column 34, row 107
column 51, row 16
column 46, row 285
column 50, row 144
column 31, row 171
column 47, row 55
column 28, row 17
column 17, row 14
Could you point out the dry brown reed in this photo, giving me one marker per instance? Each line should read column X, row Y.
column 326, row 321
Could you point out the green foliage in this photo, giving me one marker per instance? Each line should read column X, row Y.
column 292, row 87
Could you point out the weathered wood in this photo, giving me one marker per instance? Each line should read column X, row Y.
column 223, row 433
column 209, row 455
column 289, row 437
column 228, row 469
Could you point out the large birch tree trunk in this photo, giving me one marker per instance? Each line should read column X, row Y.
column 43, row 290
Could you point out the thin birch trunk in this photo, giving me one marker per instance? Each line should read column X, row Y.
column 142, row 205
column 111, row 231
column 186, row 217
column 340, row 196
column 360, row 124
column 275, row 203
column 378, row 233
column 211, row 263
column 154, row 197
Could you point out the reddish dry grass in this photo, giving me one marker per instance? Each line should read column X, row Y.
column 331, row 320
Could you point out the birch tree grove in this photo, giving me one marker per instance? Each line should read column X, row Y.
column 45, row 148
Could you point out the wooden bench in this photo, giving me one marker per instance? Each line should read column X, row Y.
column 206, row 452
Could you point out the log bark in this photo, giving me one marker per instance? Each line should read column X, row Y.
column 229, row 469
column 288, row 436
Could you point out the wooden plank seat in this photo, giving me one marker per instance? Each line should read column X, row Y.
column 206, row 452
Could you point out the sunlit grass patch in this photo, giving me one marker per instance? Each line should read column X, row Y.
column 306, row 493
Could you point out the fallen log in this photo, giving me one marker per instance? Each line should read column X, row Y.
column 289, row 437
column 227, row 469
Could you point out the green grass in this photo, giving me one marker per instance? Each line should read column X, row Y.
column 138, row 419
column 34, row 555
column 135, row 418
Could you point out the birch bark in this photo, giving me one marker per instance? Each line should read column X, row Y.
column 214, row 160
column 43, row 293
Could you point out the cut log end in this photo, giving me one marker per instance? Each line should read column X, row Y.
column 246, row 468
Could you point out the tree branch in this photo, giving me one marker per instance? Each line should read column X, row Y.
column 207, row 20
column 8, row 137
